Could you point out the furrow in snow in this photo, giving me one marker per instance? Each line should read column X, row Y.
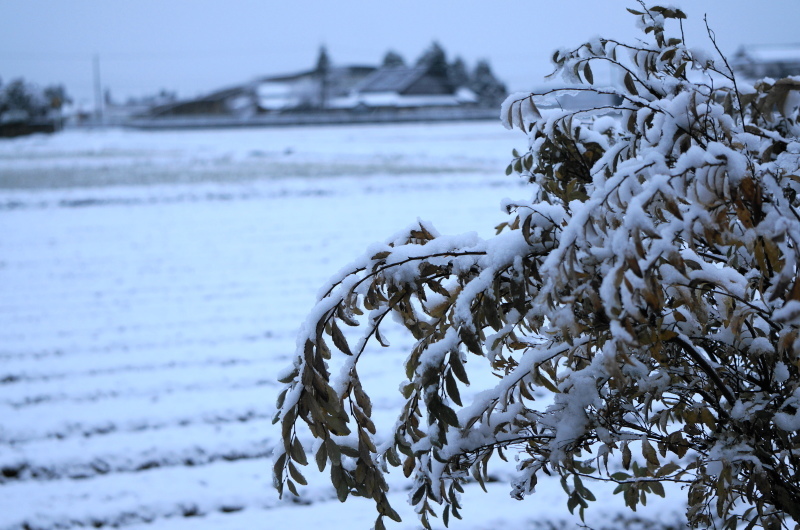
column 177, row 445
column 64, row 419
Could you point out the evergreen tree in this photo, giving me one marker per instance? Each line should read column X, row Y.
column 434, row 59
column 491, row 92
column 393, row 59
column 322, row 72
column 457, row 72
column 323, row 61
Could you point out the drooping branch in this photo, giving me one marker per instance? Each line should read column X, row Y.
column 706, row 367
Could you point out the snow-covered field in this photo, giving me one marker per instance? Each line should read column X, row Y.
column 151, row 285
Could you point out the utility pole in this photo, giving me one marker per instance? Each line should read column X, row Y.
column 98, row 90
column 323, row 71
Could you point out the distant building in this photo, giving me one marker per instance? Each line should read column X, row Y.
column 775, row 61
column 405, row 87
column 117, row 112
column 344, row 87
column 295, row 92
column 234, row 100
column 341, row 94
column 312, row 90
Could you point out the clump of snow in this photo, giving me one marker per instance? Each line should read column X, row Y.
column 781, row 372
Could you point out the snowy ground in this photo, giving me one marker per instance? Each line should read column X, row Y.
column 151, row 285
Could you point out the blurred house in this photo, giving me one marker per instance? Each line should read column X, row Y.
column 116, row 112
column 775, row 61
column 304, row 91
column 405, row 87
column 338, row 88
column 341, row 94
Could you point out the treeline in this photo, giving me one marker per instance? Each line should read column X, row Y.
column 20, row 99
column 26, row 107
column 481, row 80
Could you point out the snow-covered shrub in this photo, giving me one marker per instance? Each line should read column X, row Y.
column 651, row 285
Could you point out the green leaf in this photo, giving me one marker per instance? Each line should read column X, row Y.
column 281, row 399
column 338, row 338
column 392, row 458
column 339, row 482
column 337, row 425
column 436, row 287
column 292, row 488
column 277, row 469
column 470, row 340
column 528, row 162
column 572, row 503
column 540, row 379
column 490, row 310
column 287, row 423
column 383, row 342
column 457, row 367
column 289, row 377
column 657, row 488
column 445, row 413
column 649, row 453
column 295, row 473
column 587, row 73
column 352, row 452
column 407, row 390
column 334, row 453
column 668, row 469
column 408, row 466
column 630, row 85
column 322, row 457
column 389, row 511
column 298, row 453
column 362, row 399
column 418, row 495
column 452, row 388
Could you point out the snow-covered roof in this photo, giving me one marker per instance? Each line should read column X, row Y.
column 391, row 79
column 393, row 99
column 332, row 71
column 770, row 53
column 277, row 95
column 775, row 61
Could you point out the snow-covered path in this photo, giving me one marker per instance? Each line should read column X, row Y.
column 143, row 318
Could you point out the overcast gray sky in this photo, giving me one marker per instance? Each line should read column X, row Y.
column 197, row 46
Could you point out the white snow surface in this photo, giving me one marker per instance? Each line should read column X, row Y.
column 152, row 287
